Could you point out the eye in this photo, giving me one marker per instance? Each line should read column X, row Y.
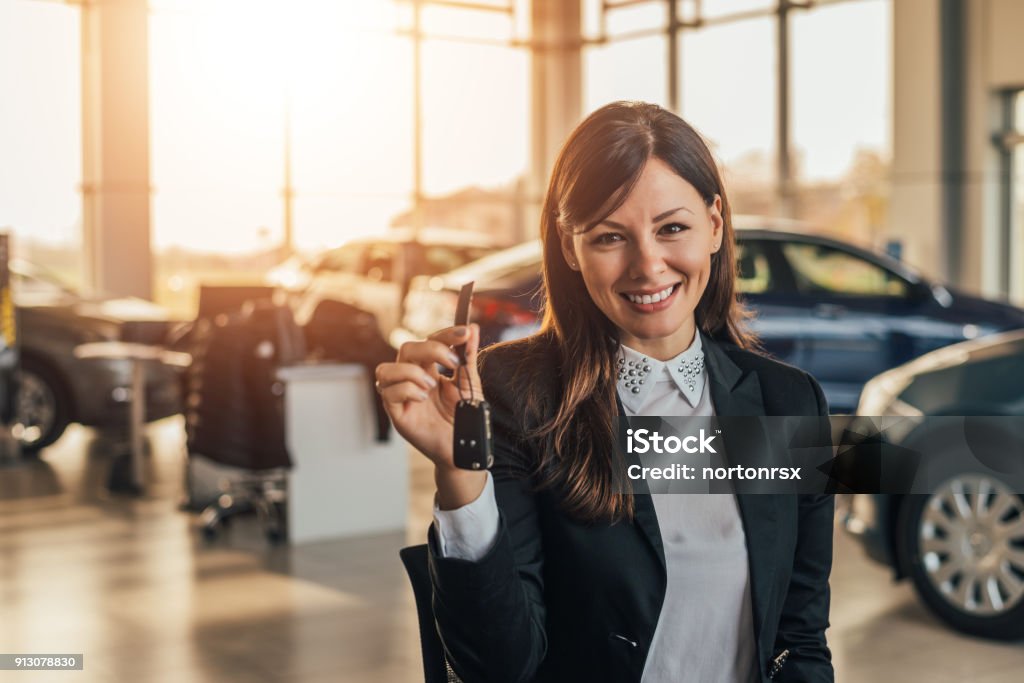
column 607, row 238
column 673, row 229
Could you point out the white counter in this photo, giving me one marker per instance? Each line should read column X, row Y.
column 343, row 482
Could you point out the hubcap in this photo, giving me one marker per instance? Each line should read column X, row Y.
column 36, row 408
column 971, row 540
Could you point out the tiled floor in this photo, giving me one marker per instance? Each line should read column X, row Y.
column 129, row 584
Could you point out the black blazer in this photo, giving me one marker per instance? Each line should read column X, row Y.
column 559, row 600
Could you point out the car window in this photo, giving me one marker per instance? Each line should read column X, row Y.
column 754, row 275
column 380, row 262
column 440, row 258
column 437, row 259
column 29, row 285
column 347, row 259
column 821, row 269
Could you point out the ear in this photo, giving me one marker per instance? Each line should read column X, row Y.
column 717, row 223
column 568, row 250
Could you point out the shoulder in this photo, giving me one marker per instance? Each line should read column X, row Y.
column 517, row 365
column 784, row 387
column 513, row 371
column 764, row 365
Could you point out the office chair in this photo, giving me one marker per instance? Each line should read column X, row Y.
column 435, row 665
column 235, row 411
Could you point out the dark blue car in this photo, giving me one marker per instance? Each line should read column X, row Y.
column 842, row 313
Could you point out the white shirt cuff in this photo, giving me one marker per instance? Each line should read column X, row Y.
column 468, row 532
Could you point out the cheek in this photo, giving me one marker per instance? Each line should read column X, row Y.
column 601, row 273
column 696, row 264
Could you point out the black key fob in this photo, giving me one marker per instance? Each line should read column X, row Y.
column 472, row 446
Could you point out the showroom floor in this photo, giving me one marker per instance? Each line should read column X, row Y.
column 129, row 584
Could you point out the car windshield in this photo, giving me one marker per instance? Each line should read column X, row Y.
column 31, row 282
column 502, row 263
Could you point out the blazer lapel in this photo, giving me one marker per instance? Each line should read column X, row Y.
column 644, row 515
column 733, row 393
column 736, row 394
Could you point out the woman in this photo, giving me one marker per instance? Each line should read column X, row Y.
column 542, row 569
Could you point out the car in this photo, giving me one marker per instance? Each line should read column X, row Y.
column 506, row 297
column 838, row 311
column 961, row 544
column 291, row 275
column 374, row 273
column 53, row 387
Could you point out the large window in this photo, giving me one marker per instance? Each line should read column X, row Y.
column 1007, row 249
column 730, row 87
column 841, row 65
column 476, row 126
column 728, row 94
column 41, row 133
column 624, row 61
column 304, row 114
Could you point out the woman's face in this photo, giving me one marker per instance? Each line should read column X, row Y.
column 647, row 264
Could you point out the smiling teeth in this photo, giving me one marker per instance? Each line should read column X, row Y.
column 651, row 298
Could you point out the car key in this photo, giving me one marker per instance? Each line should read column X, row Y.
column 472, row 448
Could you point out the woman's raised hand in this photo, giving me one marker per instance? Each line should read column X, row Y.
column 420, row 401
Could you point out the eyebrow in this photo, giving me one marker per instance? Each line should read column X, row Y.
column 660, row 216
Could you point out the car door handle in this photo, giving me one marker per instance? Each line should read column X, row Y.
column 829, row 310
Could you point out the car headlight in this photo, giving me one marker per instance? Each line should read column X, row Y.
column 879, row 395
column 874, row 398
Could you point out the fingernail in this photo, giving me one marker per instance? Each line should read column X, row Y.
column 455, row 359
column 432, row 382
column 460, row 331
column 423, row 396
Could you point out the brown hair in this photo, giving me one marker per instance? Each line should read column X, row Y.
column 594, row 173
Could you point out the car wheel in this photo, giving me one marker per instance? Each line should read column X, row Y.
column 964, row 548
column 42, row 410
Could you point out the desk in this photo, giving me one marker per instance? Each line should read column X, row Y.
column 137, row 355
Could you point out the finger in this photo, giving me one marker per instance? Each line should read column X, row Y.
column 402, row 392
column 394, row 373
column 451, row 336
column 428, row 352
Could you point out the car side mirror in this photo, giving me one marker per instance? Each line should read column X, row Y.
column 941, row 295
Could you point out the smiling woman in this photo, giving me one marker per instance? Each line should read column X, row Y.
column 548, row 567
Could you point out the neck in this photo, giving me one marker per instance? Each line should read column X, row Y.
column 664, row 348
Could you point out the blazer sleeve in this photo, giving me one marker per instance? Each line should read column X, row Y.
column 490, row 613
column 806, row 607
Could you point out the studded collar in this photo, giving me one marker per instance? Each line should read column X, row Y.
column 637, row 374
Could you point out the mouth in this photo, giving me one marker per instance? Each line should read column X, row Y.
column 651, row 302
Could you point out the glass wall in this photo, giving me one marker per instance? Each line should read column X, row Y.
column 841, row 102
column 1016, row 213
column 728, row 94
column 730, row 88
column 316, row 101
column 41, row 134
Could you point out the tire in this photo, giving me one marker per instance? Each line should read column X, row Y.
column 43, row 405
column 963, row 547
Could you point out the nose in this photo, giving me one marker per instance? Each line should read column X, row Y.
column 647, row 261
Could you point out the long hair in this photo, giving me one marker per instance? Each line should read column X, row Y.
column 594, row 173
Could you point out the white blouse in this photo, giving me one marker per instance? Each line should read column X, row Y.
column 705, row 631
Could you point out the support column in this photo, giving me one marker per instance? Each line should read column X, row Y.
column 556, row 90
column 916, row 209
column 115, row 140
